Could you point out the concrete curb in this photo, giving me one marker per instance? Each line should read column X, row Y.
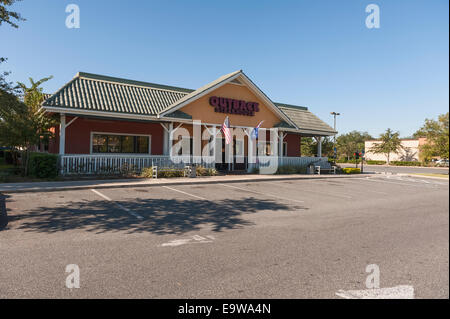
column 424, row 176
column 38, row 189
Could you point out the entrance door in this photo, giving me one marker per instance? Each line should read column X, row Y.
column 222, row 166
column 239, row 162
column 239, row 158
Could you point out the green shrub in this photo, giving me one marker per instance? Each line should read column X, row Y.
column 43, row 165
column 291, row 169
column 370, row 162
column 351, row 170
column 406, row 163
column 147, row 172
column 8, row 157
column 168, row 173
column 203, row 171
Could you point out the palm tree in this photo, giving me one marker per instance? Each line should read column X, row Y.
column 33, row 96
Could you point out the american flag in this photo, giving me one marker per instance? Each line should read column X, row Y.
column 226, row 130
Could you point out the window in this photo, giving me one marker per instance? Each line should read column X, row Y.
column 116, row 144
column 284, row 148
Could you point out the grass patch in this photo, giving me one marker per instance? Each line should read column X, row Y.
column 4, row 166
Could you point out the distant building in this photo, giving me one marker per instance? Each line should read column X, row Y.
column 410, row 151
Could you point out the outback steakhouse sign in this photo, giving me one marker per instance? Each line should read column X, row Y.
column 226, row 105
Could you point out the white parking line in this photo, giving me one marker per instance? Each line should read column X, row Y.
column 362, row 190
column 376, row 179
column 196, row 239
column 340, row 195
column 177, row 190
column 418, row 180
column 265, row 194
column 117, row 204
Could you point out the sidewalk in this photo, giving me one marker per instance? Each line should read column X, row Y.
column 120, row 183
column 391, row 166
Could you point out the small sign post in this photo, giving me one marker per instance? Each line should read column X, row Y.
column 363, row 157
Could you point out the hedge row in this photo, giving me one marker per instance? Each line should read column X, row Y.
column 168, row 172
column 370, row 162
column 351, row 170
column 40, row 165
column 290, row 169
column 406, row 163
column 43, row 165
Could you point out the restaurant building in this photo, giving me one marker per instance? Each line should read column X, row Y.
column 112, row 122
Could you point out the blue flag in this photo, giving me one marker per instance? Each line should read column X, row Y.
column 254, row 134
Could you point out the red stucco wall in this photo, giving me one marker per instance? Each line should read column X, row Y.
column 78, row 134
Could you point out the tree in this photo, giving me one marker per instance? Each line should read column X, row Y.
column 22, row 123
column 309, row 146
column 349, row 143
column 9, row 17
column 389, row 142
column 33, row 96
column 437, row 135
column 4, row 84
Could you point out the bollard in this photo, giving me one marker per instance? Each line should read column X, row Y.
column 193, row 171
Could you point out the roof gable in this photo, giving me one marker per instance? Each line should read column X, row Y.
column 237, row 76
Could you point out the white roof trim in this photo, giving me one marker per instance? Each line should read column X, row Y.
column 242, row 77
column 113, row 114
column 98, row 113
column 195, row 96
column 266, row 99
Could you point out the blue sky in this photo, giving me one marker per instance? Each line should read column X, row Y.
column 314, row 53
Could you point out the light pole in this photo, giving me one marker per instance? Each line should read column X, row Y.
column 334, row 144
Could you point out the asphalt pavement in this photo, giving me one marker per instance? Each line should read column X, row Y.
column 272, row 239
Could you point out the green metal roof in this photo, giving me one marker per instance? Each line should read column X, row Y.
column 101, row 93
column 306, row 121
column 290, row 106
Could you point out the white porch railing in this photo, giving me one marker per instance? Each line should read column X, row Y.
column 303, row 161
column 277, row 161
column 119, row 164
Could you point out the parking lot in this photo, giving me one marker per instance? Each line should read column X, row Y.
column 275, row 239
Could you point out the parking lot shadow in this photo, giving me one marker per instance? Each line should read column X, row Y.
column 160, row 216
column 3, row 213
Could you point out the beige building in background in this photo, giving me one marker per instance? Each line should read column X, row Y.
column 410, row 151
